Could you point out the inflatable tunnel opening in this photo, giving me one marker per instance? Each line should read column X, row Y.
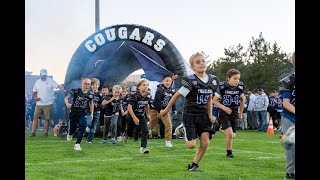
column 113, row 53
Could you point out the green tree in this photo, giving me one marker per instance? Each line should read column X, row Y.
column 260, row 65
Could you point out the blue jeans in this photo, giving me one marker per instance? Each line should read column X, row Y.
column 92, row 124
column 261, row 117
column 77, row 119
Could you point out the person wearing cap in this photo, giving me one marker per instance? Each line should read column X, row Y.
column 43, row 94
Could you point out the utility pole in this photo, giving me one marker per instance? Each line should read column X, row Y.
column 97, row 12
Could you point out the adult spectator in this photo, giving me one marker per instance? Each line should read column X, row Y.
column 43, row 94
column 252, row 121
column 261, row 104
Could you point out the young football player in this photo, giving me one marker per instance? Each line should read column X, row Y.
column 288, row 95
column 138, row 107
column 230, row 100
column 82, row 98
column 198, row 90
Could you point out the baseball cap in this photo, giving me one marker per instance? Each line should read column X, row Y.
column 43, row 72
column 260, row 89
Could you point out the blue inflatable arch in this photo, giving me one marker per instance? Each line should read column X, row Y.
column 113, row 53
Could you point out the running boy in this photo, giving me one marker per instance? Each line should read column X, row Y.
column 161, row 100
column 111, row 114
column 198, row 90
column 138, row 107
column 82, row 98
column 228, row 98
column 97, row 99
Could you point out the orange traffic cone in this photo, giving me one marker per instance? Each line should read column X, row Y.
column 270, row 127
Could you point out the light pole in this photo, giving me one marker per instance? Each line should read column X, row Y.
column 97, row 13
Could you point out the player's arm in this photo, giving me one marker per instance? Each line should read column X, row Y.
column 105, row 101
column 212, row 118
column 91, row 104
column 242, row 101
column 217, row 103
column 134, row 117
column 66, row 100
column 288, row 106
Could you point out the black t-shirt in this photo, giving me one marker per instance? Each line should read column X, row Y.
column 80, row 100
column 162, row 97
column 139, row 102
column 230, row 96
column 97, row 99
column 197, row 99
column 112, row 107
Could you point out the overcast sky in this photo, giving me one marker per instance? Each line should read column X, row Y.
column 54, row 29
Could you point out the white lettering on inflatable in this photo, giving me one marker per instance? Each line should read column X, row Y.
column 111, row 35
column 90, row 46
column 159, row 45
column 148, row 38
column 135, row 35
column 99, row 39
column 123, row 33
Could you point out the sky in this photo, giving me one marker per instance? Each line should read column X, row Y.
column 54, row 29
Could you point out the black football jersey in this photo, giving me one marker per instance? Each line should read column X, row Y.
column 109, row 108
column 139, row 102
column 124, row 102
column 162, row 97
column 97, row 99
column 230, row 96
column 288, row 84
column 80, row 100
column 197, row 99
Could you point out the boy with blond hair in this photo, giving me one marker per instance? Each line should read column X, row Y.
column 198, row 90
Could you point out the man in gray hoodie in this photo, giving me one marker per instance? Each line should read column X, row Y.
column 261, row 104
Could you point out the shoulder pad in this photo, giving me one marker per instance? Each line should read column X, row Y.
column 74, row 90
column 241, row 85
column 222, row 84
column 90, row 95
column 191, row 76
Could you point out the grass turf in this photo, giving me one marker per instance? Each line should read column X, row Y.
column 257, row 155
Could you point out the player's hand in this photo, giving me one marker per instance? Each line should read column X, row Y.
column 212, row 118
column 227, row 110
column 136, row 121
column 36, row 98
column 240, row 115
column 68, row 105
column 163, row 112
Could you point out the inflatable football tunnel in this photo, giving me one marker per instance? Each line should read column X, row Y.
column 113, row 53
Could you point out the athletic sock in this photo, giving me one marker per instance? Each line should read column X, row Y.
column 194, row 164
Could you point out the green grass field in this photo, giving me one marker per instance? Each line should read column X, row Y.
column 257, row 156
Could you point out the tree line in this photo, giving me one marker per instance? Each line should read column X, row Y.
column 261, row 65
